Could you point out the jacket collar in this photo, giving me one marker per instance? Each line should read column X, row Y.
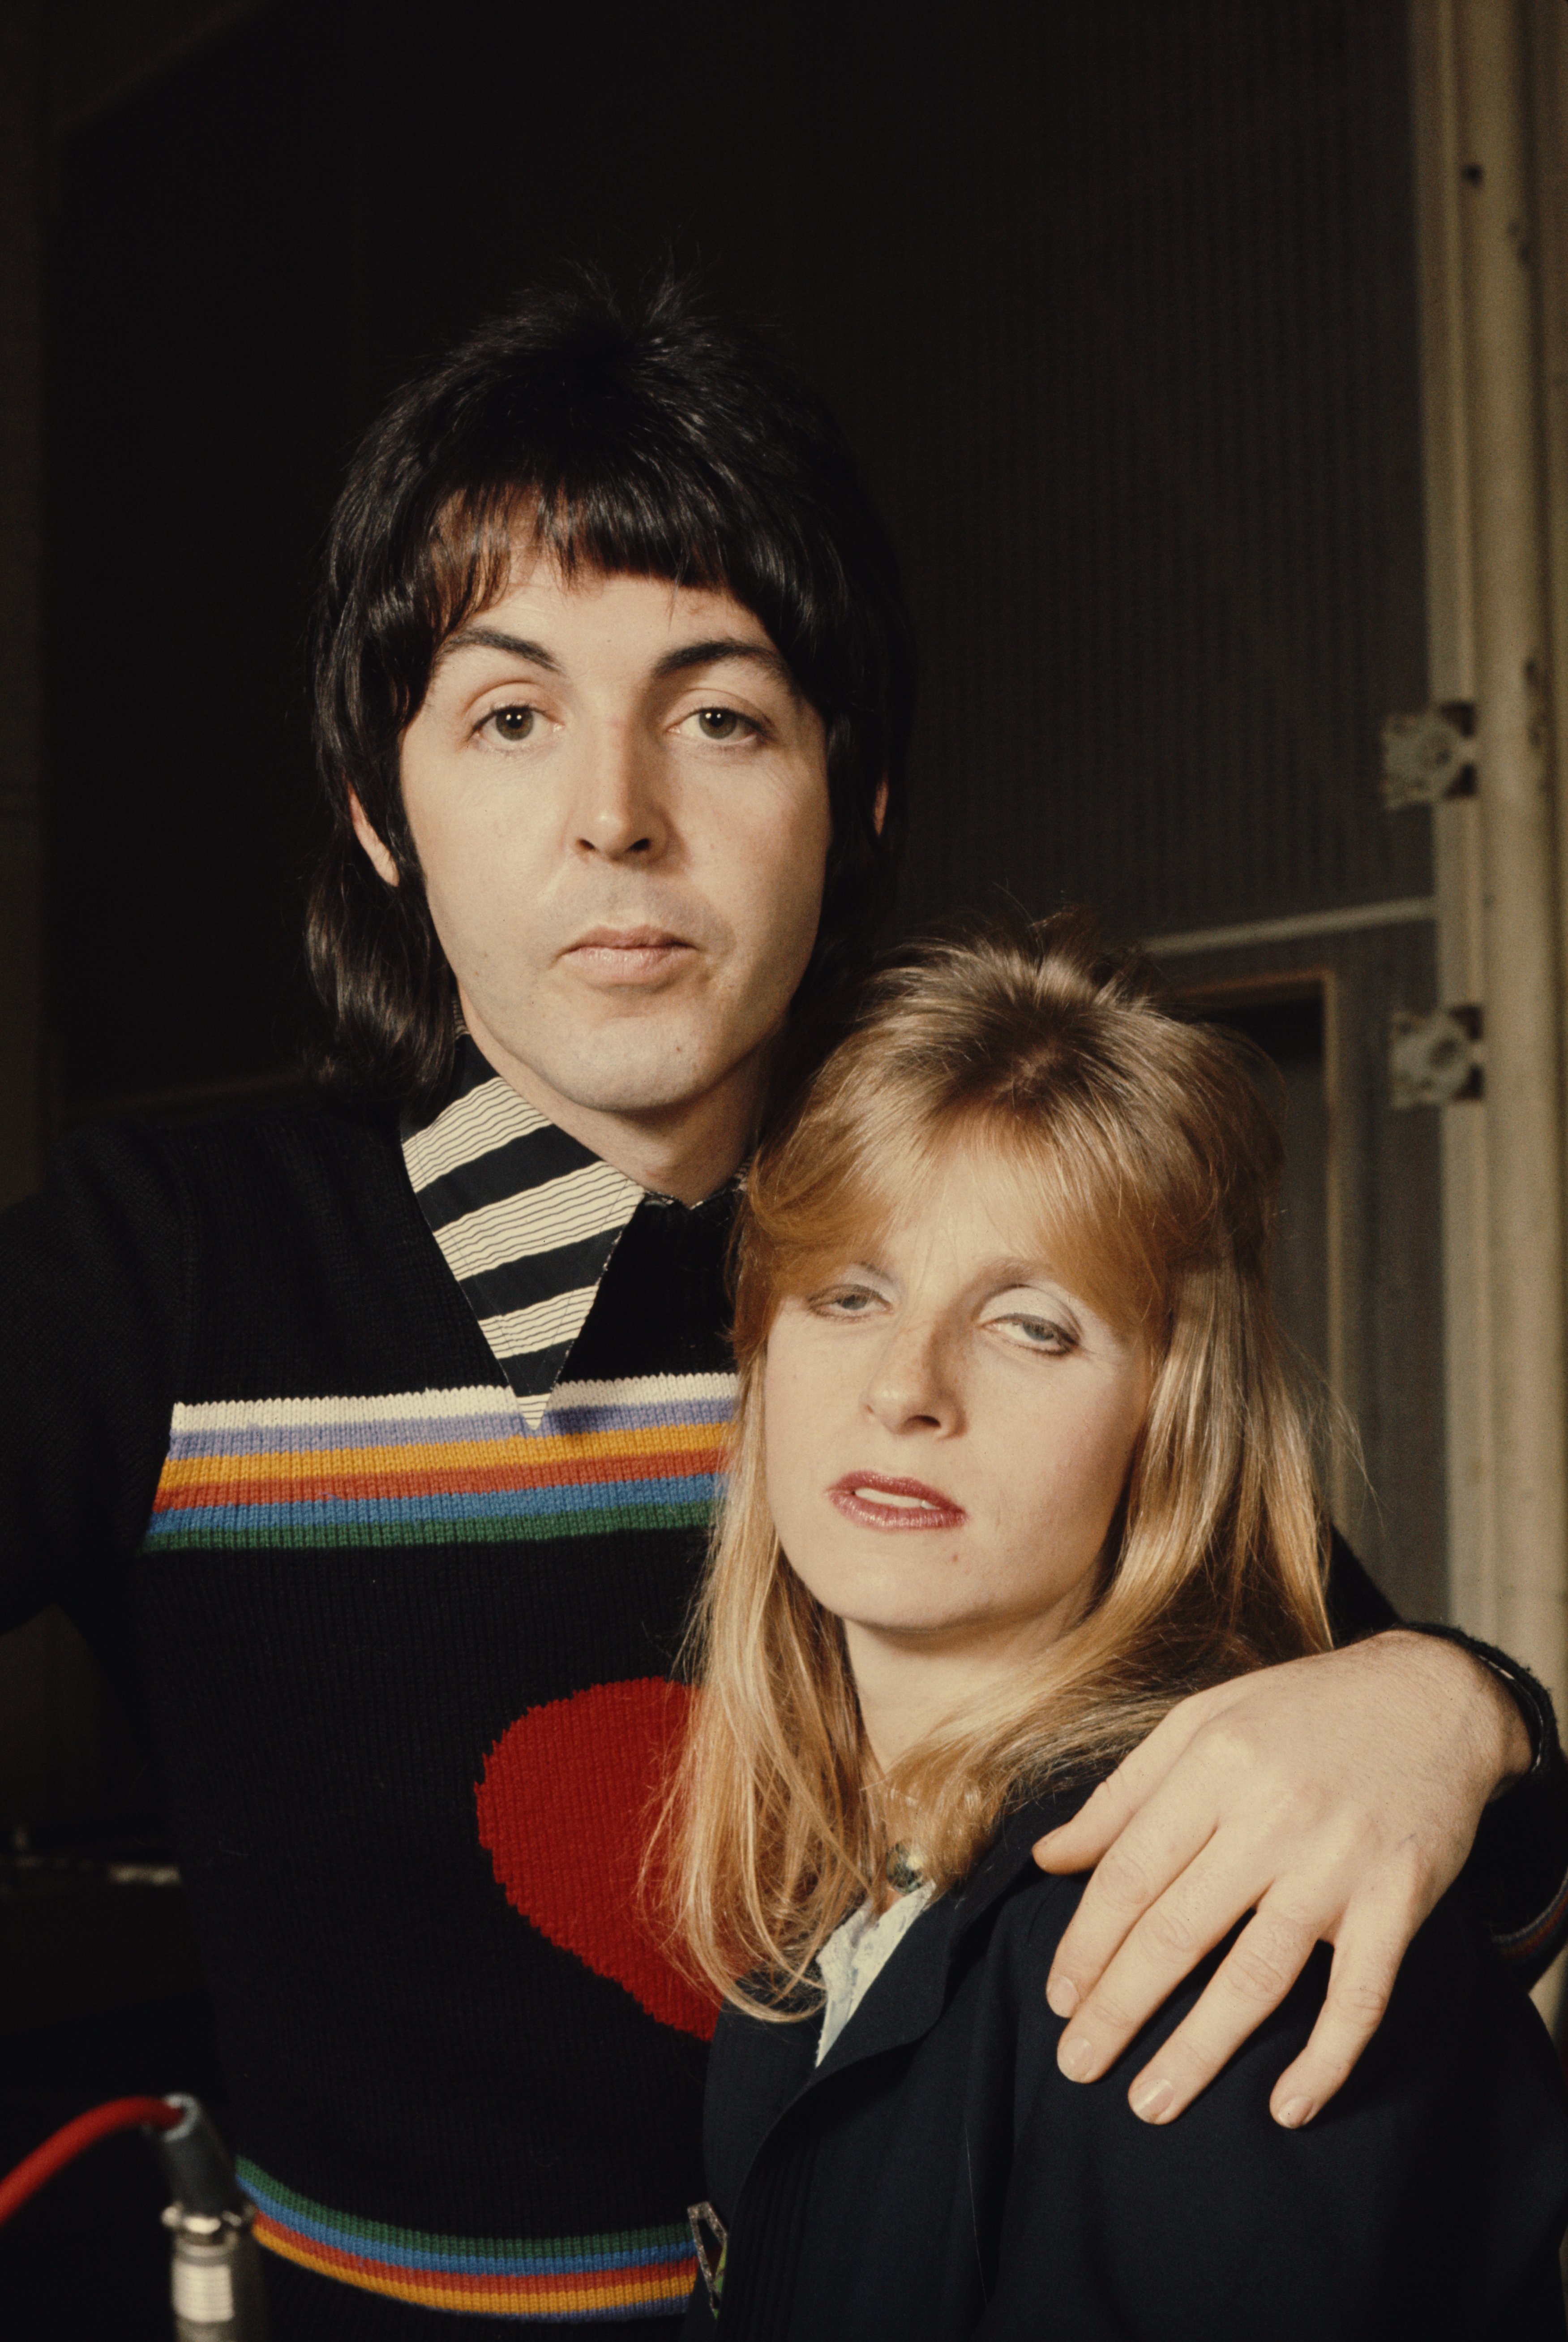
column 911, row 1993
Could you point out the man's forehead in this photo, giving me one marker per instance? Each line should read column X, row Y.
column 545, row 615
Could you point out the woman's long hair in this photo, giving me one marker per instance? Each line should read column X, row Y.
column 1142, row 1149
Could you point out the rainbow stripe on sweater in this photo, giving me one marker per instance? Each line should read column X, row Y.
column 637, row 2273
column 442, row 1467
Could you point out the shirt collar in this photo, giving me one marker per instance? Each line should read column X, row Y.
column 526, row 1217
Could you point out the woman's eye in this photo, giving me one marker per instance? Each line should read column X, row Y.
column 511, row 724
column 1037, row 1334
column 843, row 1301
column 723, row 724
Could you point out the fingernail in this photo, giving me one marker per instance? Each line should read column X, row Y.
column 1061, row 1996
column 1294, row 2112
column 1075, row 2056
column 1149, row 2099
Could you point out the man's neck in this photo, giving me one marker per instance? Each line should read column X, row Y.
column 687, row 1150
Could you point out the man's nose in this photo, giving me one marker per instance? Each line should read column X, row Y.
column 912, row 1387
column 620, row 813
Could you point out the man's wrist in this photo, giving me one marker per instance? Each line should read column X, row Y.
column 1520, row 1707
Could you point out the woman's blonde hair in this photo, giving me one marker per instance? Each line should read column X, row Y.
column 1143, row 1147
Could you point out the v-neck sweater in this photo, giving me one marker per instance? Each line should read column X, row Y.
column 405, row 1663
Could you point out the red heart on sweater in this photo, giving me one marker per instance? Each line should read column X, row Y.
column 566, row 1801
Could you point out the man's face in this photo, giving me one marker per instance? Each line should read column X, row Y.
column 619, row 802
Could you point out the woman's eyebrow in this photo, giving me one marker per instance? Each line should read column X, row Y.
column 1008, row 1272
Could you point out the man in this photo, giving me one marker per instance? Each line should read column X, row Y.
column 384, row 1431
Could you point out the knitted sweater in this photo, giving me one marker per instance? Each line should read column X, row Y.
column 406, row 1666
column 405, row 1663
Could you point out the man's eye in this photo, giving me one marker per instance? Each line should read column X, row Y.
column 510, row 724
column 722, row 723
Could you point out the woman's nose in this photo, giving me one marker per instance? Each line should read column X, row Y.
column 911, row 1388
column 620, row 812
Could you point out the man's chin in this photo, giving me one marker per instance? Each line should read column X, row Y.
column 642, row 1094
column 628, row 1053
column 634, row 1078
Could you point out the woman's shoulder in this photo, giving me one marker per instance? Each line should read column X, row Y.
column 1440, row 2169
column 1460, row 2043
column 1461, row 2057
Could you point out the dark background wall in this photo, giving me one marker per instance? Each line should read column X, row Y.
column 1116, row 297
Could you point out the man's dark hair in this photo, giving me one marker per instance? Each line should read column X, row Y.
column 639, row 437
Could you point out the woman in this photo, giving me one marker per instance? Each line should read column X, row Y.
column 1017, row 1466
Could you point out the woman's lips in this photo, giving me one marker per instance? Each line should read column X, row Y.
column 913, row 1505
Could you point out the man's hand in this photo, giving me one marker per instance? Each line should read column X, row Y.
column 1335, row 1798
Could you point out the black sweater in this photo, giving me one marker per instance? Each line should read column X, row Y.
column 937, row 2177
column 404, row 1668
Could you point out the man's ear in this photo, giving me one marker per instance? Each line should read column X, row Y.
column 878, row 810
column 381, row 861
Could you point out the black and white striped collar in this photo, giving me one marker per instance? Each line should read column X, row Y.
column 526, row 1216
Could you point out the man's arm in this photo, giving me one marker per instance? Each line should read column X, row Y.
column 1517, row 1870
column 1335, row 1798
column 92, row 1285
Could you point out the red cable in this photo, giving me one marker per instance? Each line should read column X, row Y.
column 118, row 2114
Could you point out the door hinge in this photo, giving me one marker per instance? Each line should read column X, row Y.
column 1429, row 755
column 1436, row 1060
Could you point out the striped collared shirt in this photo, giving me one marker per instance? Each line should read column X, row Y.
column 526, row 1216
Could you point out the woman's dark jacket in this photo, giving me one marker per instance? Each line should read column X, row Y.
column 938, row 2177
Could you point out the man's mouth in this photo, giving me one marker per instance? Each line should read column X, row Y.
column 877, row 1502
column 626, row 955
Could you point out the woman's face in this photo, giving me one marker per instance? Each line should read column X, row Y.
column 949, row 1425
